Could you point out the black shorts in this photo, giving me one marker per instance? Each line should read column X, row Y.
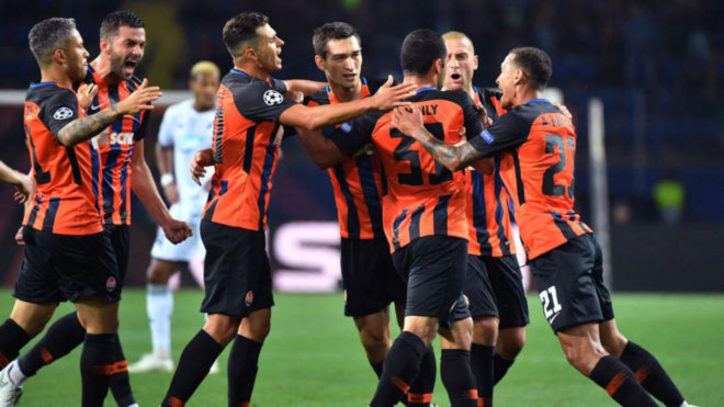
column 369, row 278
column 118, row 234
column 237, row 275
column 67, row 267
column 570, row 284
column 434, row 268
column 494, row 288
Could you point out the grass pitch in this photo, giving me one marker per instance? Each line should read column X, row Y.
column 313, row 357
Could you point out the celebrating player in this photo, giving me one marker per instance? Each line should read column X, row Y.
column 251, row 108
column 563, row 254
column 119, row 167
column 186, row 128
column 67, row 254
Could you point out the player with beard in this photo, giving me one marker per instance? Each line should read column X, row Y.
column 120, row 147
column 67, row 254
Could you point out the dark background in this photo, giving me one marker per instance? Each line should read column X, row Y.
column 658, row 66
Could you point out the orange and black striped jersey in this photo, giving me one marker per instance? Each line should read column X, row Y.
column 115, row 145
column 542, row 142
column 423, row 198
column 357, row 182
column 64, row 202
column 246, row 138
column 488, row 207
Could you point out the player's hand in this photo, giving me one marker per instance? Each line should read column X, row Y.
column 202, row 158
column 388, row 96
column 19, row 237
column 171, row 193
column 177, row 231
column 294, row 96
column 563, row 110
column 140, row 99
column 408, row 120
column 86, row 93
column 484, row 118
column 25, row 188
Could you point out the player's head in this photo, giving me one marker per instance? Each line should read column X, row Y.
column 57, row 41
column 249, row 38
column 423, row 52
column 123, row 39
column 338, row 52
column 461, row 61
column 204, row 83
column 525, row 68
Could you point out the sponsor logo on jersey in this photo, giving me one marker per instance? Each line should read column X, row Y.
column 121, row 138
column 63, row 113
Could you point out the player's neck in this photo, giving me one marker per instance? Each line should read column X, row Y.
column 427, row 81
column 102, row 66
column 57, row 75
column 252, row 69
column 346, row 94
column 525, row 95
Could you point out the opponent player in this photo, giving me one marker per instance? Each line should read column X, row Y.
column 563, row 254
column 119, row 167
column 250, row 111
column 494, row 284
column 186, row 128
column 67, row 255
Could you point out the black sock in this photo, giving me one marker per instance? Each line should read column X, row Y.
column 194, row 365
column 400, row 369
column 96, row 367
column 651, row 374
column 12, row 339
column 62, row 337
column 377, row 367
column 120, row 383
column 482, row 362
column 620, row 383
column 241, row 370
column 500, row 367
column 420, row 394
column 458, row 378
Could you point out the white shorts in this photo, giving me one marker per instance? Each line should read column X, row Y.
column 184, row 251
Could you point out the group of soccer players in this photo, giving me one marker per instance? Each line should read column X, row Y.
column 427, row 175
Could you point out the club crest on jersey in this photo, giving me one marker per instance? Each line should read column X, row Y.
column 272, row 97
column 487, row 136
column 111, row 284
column 249, row 299
column 63, row 113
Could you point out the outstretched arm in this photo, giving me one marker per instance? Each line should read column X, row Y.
column 23, row 183
column 323, row 151
column 305, row 86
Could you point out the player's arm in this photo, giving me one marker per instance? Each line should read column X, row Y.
column 305, row 86
column 323, row 151
column 317, row 117
column 202, row 159
column 80, row 130
column 23, row 183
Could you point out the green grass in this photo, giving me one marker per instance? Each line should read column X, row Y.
column 313, row 357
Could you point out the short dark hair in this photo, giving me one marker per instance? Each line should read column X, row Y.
column 48, row 35
column 420, row 49
column 535, row 63
column 331, row 31
column 117, row 19
column 242, row 28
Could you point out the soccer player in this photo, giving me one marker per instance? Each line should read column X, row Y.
column 23, row 183
column 369, row 278
column 67, row 255
column 250, row 111
column 494, row 284
column 119, row 166
column 563, row 254
column 186, row 128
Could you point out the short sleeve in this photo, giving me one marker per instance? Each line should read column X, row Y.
column 509, row 131
column 260, row 103
column 59, row 110
column 165, row 132
column 352, row 135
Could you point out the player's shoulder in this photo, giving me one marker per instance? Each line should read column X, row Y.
column 456, row 96
column 374, row 84
column 489, row 93
column 320, row 97
column 530, row 110
column 48, row 92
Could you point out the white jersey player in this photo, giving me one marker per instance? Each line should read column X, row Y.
column 186, row 128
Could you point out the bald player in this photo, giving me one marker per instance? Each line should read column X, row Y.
column 186, row 127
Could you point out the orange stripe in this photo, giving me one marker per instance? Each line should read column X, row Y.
column 485, row 402
column 404, row 387
column 419, row 398
column 46, row 355
column 174, row 402
column 642, row 374
column 613, row 386
column 108, row 370
column 471, row 394
column 244, row 404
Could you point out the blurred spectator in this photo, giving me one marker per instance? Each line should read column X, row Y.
column 669, row 196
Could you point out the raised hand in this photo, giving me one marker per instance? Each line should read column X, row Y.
column 388, row 96
column 140, row 99
column 86, row 92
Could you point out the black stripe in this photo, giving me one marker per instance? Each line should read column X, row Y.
column 219, row 123
column 74, row 165
column 439, row 215
column 396, row 229
column 249, row 148
column 49, row 220
column 114, row 98
column 210, row 212
column 34, row 213
column 563, row 226
column 353, row 226
column 415, row 222
column 518, row 178
column 370, row 193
